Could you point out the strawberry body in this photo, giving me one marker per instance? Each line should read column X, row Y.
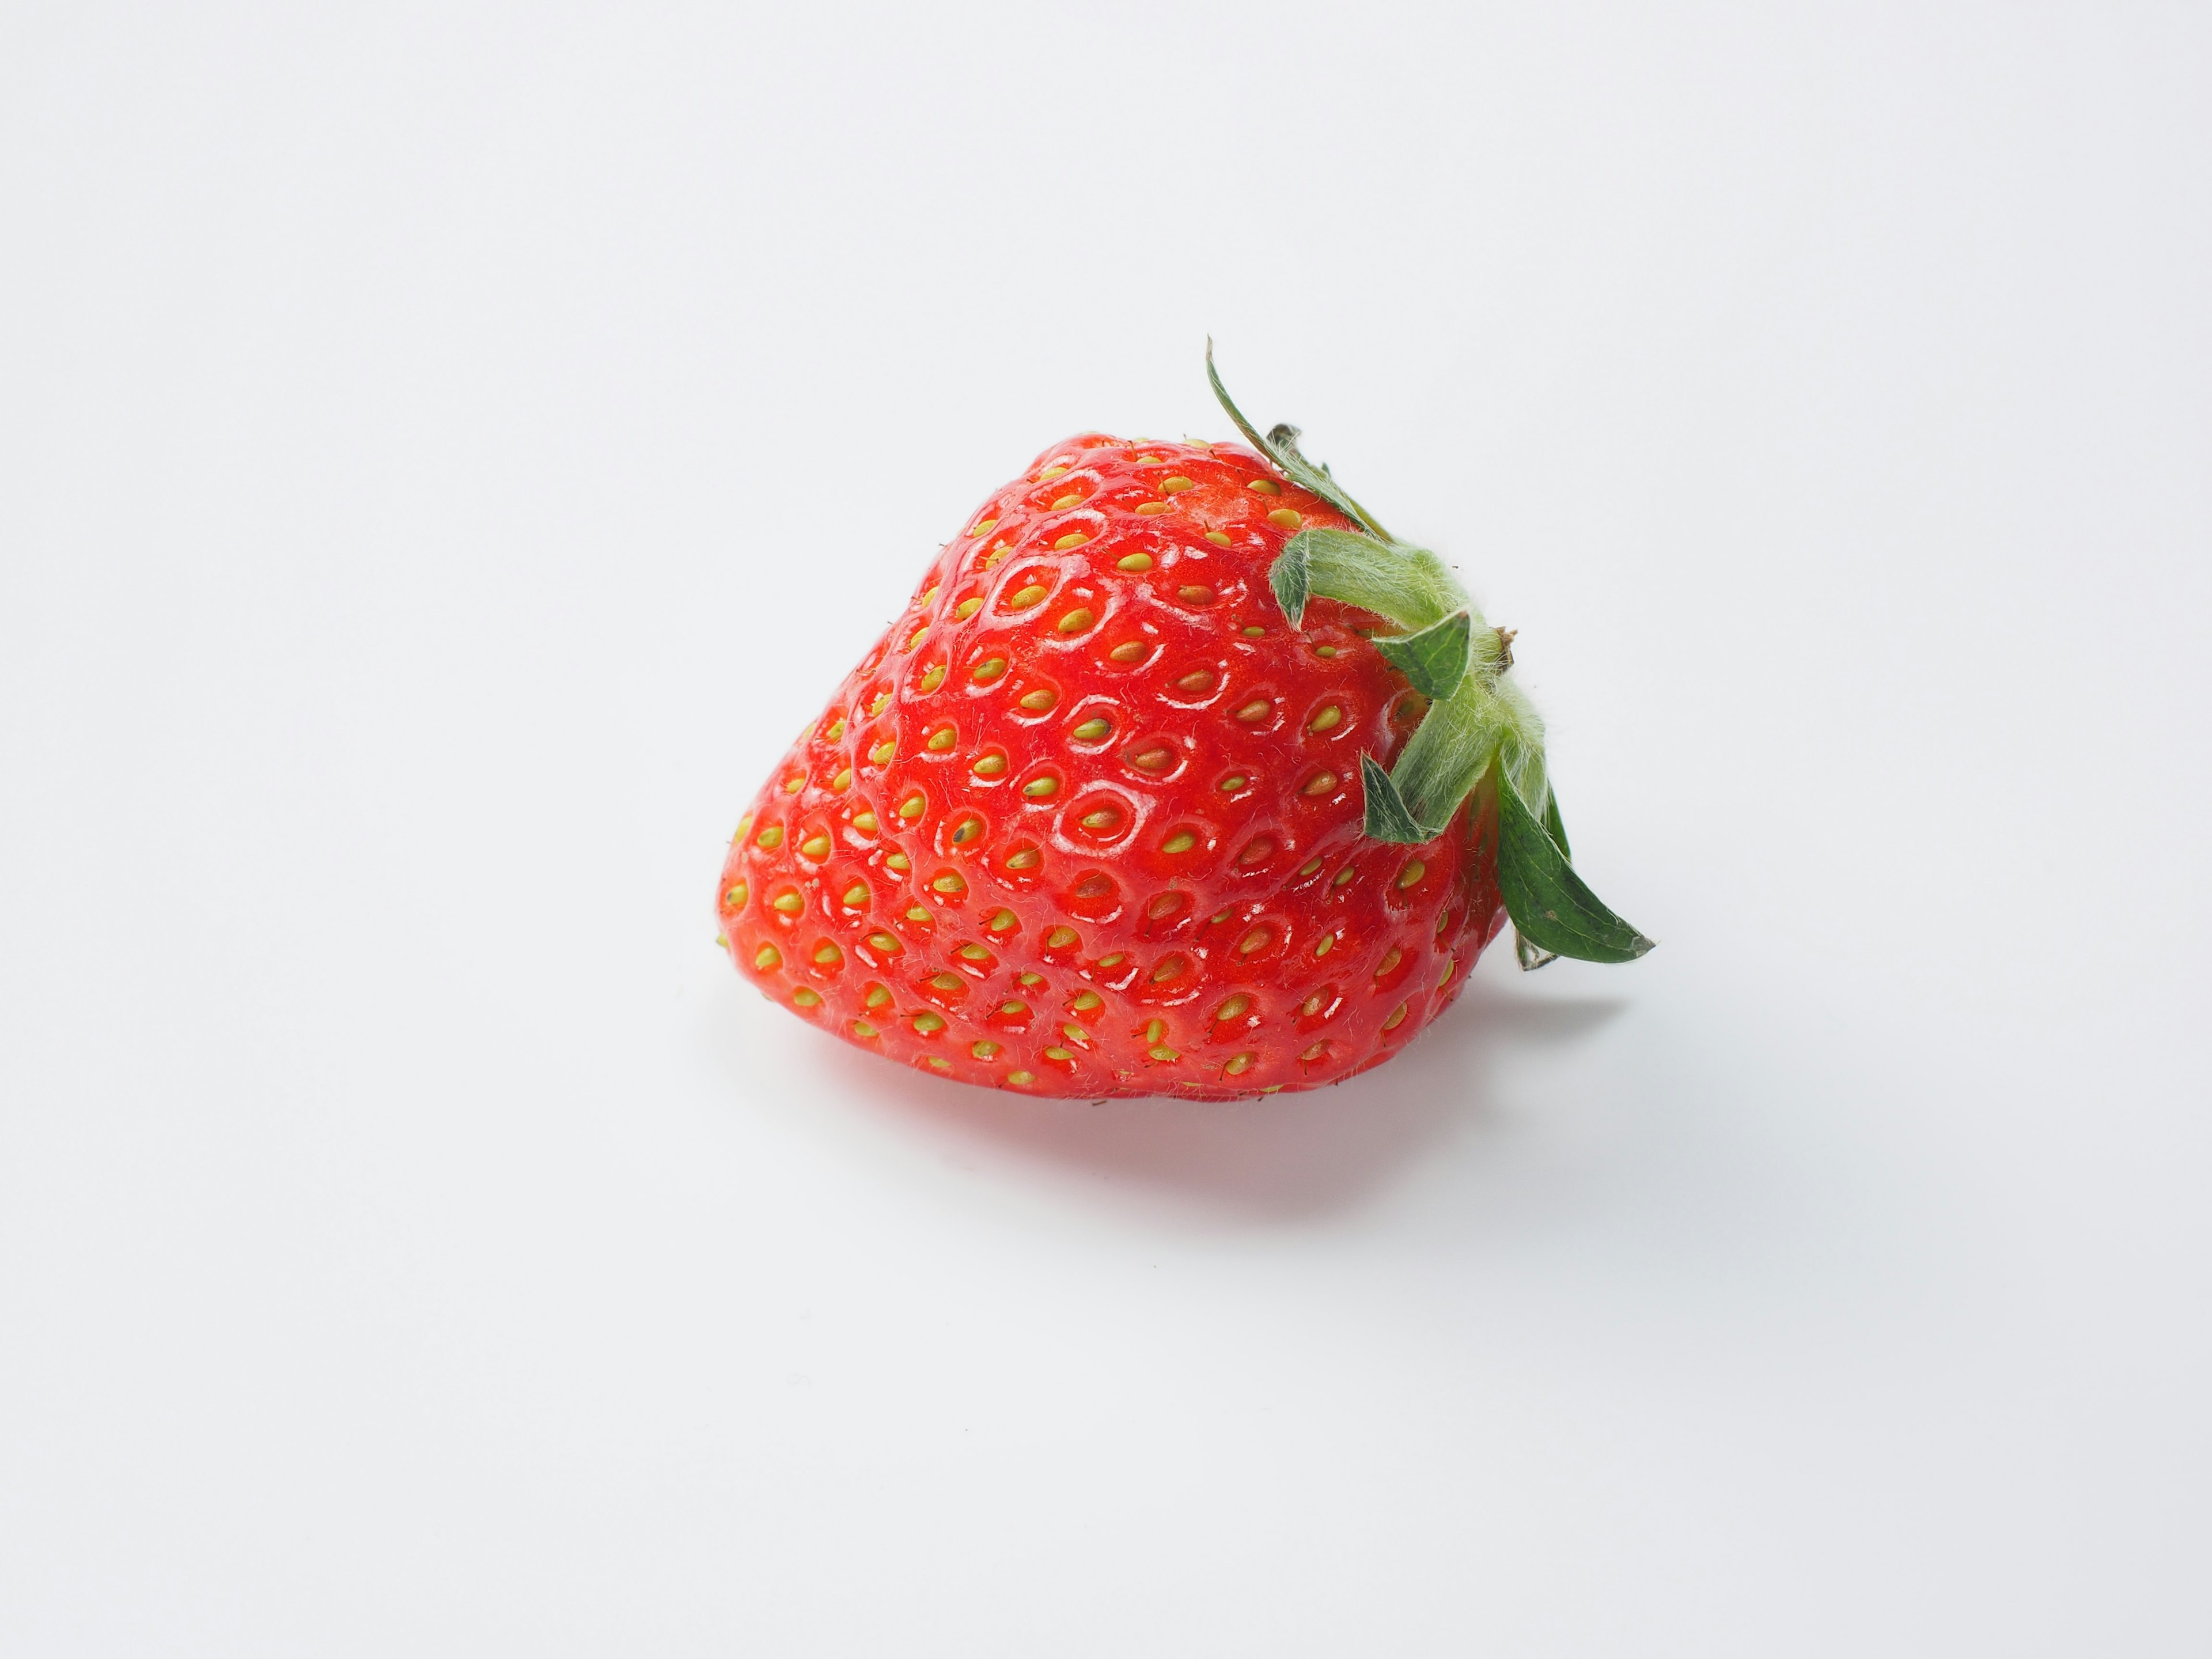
column 1087, row 819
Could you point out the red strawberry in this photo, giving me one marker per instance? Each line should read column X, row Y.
column 1106, row 812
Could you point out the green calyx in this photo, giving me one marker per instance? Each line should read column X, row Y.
column 1480, row 731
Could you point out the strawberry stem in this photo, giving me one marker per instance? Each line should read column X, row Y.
column 1479, row 729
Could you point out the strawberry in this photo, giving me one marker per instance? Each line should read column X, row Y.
column 1177, row 776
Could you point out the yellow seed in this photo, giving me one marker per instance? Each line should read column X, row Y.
column 1114, row 961
column 882, row 942
column 1218, row 537
column 922, row 604
column 1066, row 501
column 1252, row 941
column 1396, row 1014
column 1026, row 597
column 898, row 862
column 1308, row 866
column 1234, row 1008
column 1266, row 486
column 950, row 882
column 1344, row 876
column 916, row 913
column 737, row 896
column 990, row 766
column 917, row 637
column 1050, row 473
column 1038, row 788
column 875, row 704
column 1073, row 538
column 1238, row 1063
column 1162, row 1054
column 912, row 807
column 990, row 668
column 1129, row 652
column 1282, row 519
column 805, row 998
column 771, row 838
column 861, row 1029
column 938, row 1063
column 1091, row 731
column 966, row 608
column 816, row 847
column 1076, row 620
column 1443, row 979
column 1104, row 818
column 933, row 678
column 1256, row 850
column 983, row 1050
column 1013, row 1010
column 1058, row 1054
column 1328, row 717
column 1311, row 1005
column 1155, row 1030
column 877, row 996
column 1319, row 784
column 1153, row 760
column 1025, row 857
column 1324, row 651
column 865, row 821
column 996, row 554
column 1000, row 921
column 1075, row 1034
column 842, row 781
column 1315, row 1052
column 837, row 731
column 1021, row 1079
column 1254, row 631
column 1037, row 701
column 1030, row 981
column 1327, row 942
column 1135, row 563
column 1196, row 680
column 1391, row 958
column 1060, row 939
column 1169, row 969
column 769, row 957
column 946, row 982
column 984, row 528
column 1177, row 485
column 744, row 823
column 928, row 1024
column 793, row 785
column 790, row 903
column 941, row 739
column 1233, row 783
column 1181, row 842
column 974, row 953
column 1086, row 1001
column 1146, row 509
column 1414, row 872
column 881, row 753
column 829, row 956
column 1256, row 709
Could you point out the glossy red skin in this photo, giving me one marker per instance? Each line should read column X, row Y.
column 1163, row 940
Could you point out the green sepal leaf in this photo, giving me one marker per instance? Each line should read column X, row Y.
column 1436, row 658
column 1553, row 825
column 1281, row 447
column 1551, row 907
column 1389, row 818
column 1290, row 577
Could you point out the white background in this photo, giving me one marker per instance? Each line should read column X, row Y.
column 446, row 452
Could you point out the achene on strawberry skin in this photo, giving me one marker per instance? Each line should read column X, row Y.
column 1090, row 819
